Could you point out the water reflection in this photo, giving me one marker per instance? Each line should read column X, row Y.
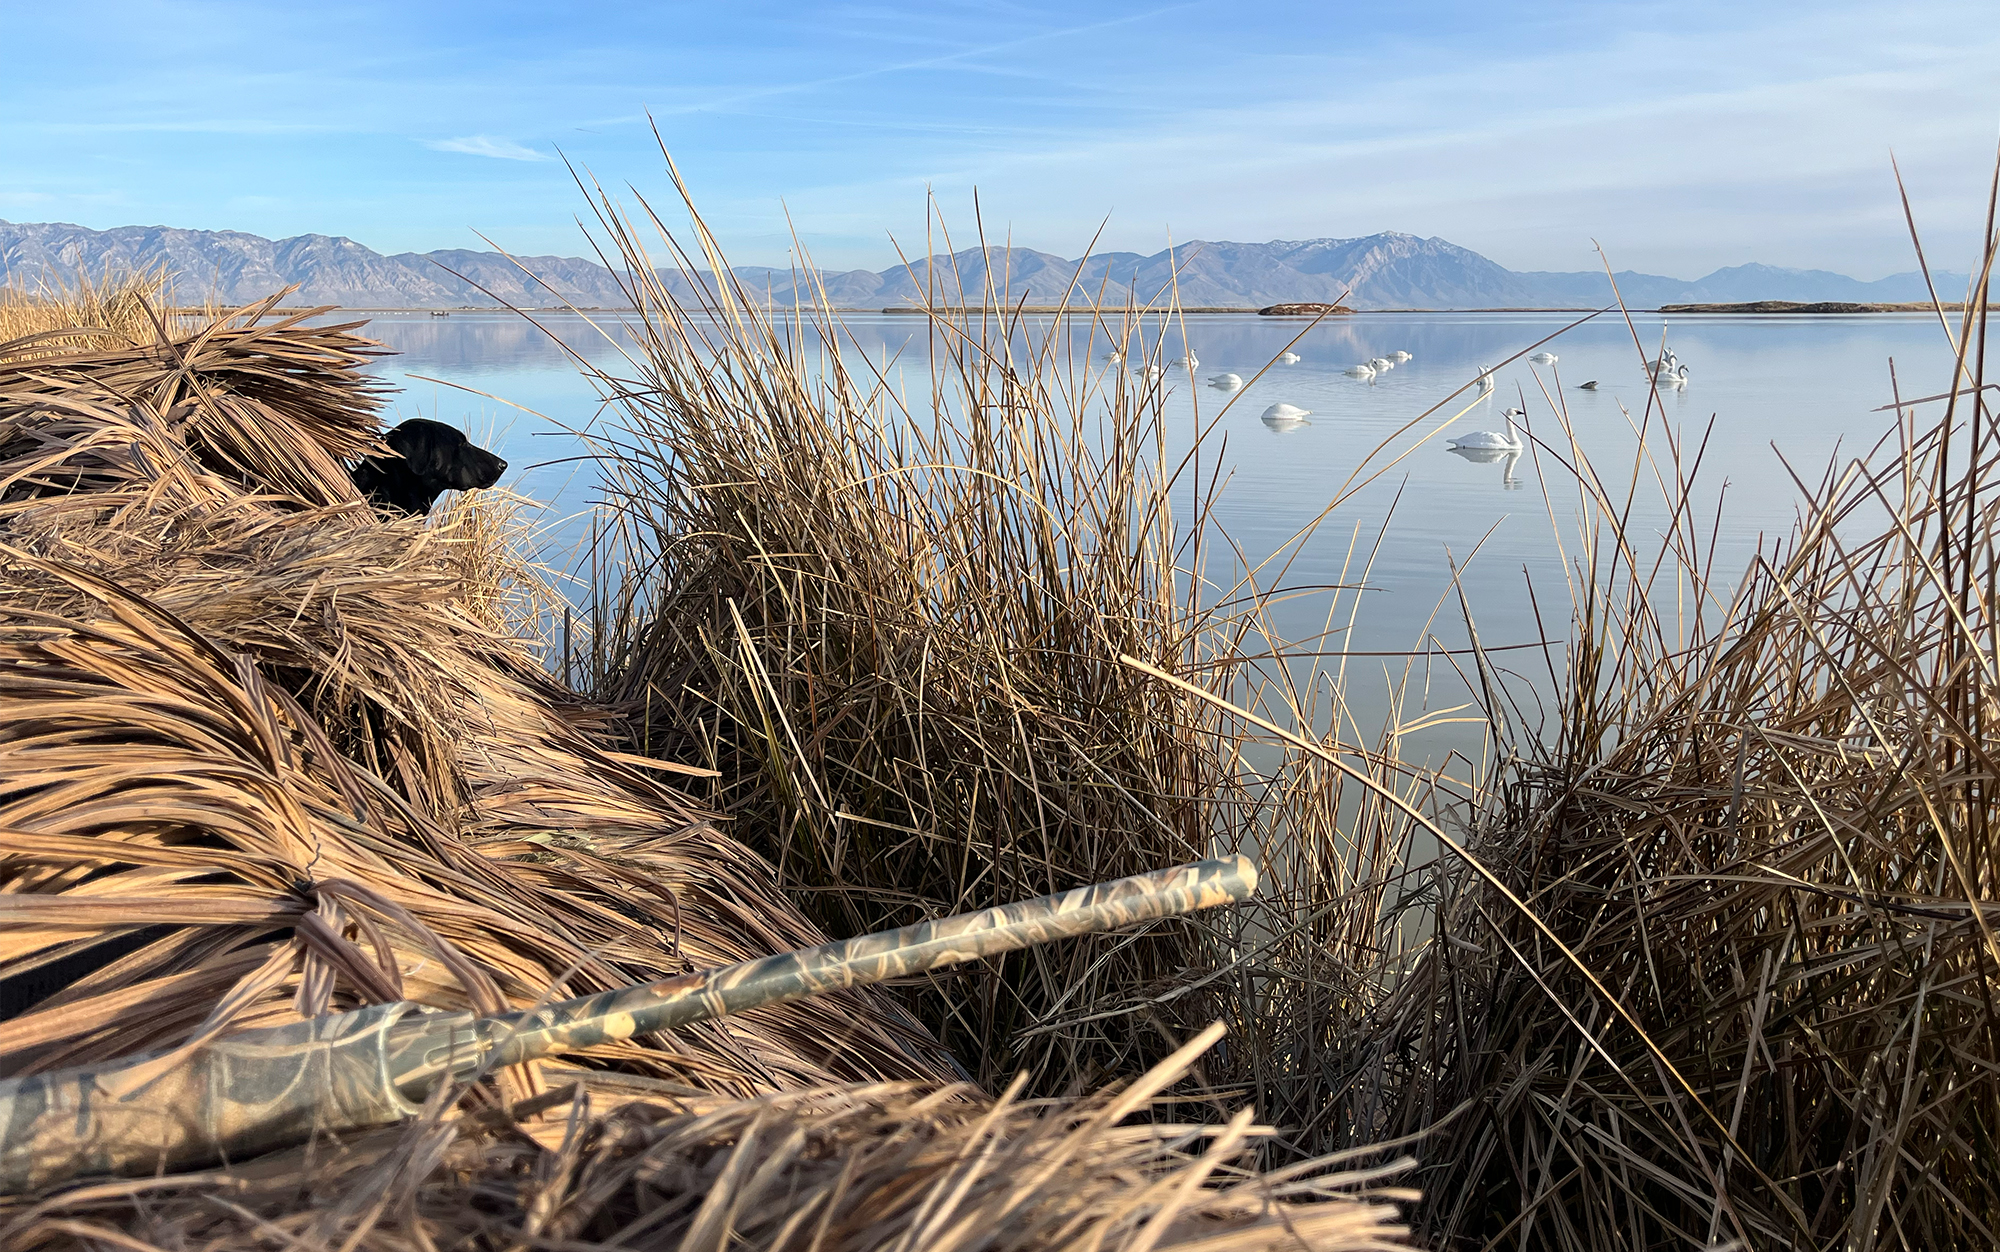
column 1803, row 384
column 1285, row 417
column 1507, row 457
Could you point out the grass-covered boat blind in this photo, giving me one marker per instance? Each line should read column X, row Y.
column 632, row 1163
column 222, row 664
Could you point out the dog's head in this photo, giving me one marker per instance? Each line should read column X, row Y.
column 431, row 459
column 442, row 455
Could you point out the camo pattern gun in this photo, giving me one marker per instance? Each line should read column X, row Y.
column 262, row 1089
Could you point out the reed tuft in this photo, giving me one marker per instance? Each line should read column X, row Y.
column 114, row 310
column 888, row 602
column 1706, row 959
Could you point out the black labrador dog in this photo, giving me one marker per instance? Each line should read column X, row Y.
column 431, row 459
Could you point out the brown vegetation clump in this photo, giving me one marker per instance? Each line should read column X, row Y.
column 116, row 310
column 888, row 600
column 829, row 1169
column 1709, row 958
column 1721, row 966
column 264, row 754
column 222, row 663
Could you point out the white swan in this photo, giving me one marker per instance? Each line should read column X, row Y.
column 1149, row 371
column 1285, row 416
column 1492, row 440
column 1401, row 355
column 1288, row 358
column 1114, row 356
column 1486, row 380
column 1189, row 362
column 1543, row 358
column 1381, row 363
column 1228, row 382
column 1359, row 371
column 1669, row 374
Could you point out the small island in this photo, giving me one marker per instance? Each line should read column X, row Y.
column 1304, row 308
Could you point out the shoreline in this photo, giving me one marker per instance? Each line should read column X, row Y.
column 1815, row 308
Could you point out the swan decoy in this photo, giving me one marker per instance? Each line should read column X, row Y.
column 1492, row 440
column 1285, row 416
column 1359, row 371
column 1589, row 386
column 1228, row 382
column 1288, row 358
column 1543, row 358
column 1401, row 355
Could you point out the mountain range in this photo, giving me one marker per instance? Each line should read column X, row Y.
column 1389, row 270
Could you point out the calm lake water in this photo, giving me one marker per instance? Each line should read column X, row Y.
column 1762, row 391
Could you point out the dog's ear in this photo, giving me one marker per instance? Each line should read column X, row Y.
column 429, row 458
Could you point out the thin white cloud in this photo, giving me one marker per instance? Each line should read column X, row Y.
column 486, row 146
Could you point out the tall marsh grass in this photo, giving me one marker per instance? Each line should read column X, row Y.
column 267, row 754
column 893, row 622
column 122, row 309
column 1708, row 959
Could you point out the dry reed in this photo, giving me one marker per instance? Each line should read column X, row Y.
column 1709, row 958
column 114, row 310
column 893, row 624
column 249, row 726
column 641, row 1165
column 265, row 754
column 1765, row 829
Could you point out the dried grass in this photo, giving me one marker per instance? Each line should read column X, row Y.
column 893, row 623
column 264, row 754
column 1710, row 958
column 883, row 1166
column 113, row 311
column 230, row 688
column 1770, row 838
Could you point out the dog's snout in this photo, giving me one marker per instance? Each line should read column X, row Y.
column 488, row 469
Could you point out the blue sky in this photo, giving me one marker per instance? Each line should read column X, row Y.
column 1684, row 136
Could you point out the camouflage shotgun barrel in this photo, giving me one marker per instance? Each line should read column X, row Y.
column 262, row 1089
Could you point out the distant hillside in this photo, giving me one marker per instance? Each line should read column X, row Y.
column 1383, row 271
